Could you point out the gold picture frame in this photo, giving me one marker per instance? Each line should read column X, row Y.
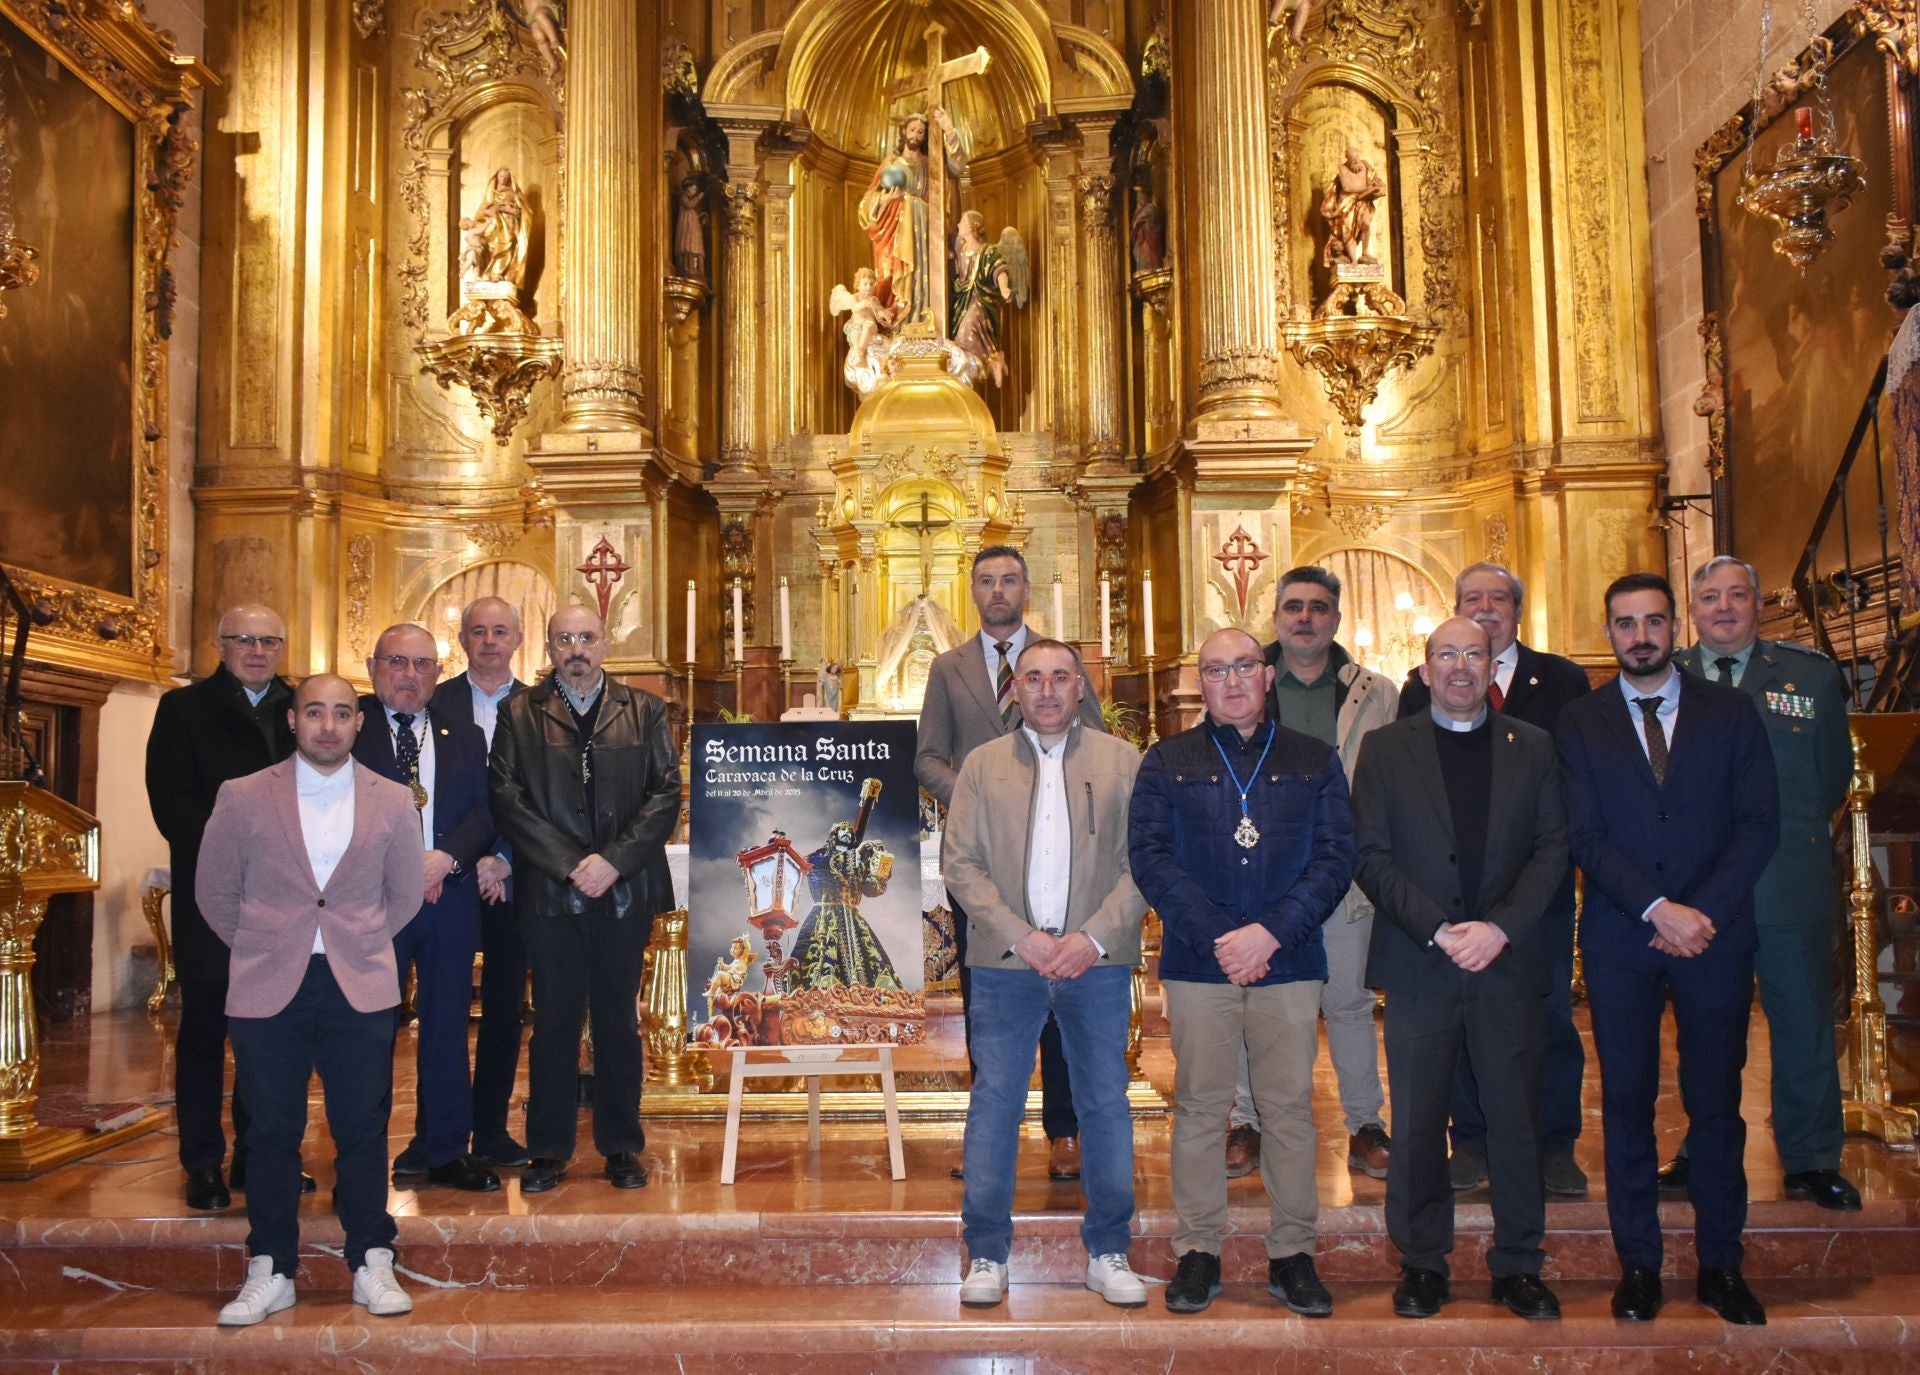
column 104, row 67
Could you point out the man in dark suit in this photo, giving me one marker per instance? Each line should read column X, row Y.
column 1462, row 844
column 1801, row 699
column 970, row 700
column 1672, row 813
column 1530, row 686
column 490, row 635
column 445, row 768
column 225, row 726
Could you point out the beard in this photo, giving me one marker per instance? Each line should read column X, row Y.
column 1627, row 659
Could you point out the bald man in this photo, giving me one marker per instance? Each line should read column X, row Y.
column 308, row 871
column 225, row 726
column 1462, row 842
column 586, row 786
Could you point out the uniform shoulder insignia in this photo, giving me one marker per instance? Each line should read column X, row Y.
column 1796, row 647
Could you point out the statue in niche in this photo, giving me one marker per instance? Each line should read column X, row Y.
column 1301, row 10
column 986, row 278
column 1148, row 233
column 494, row 245
column 869, row 322
column 893, row 212
column 920, row 633
column 545, row 23
column 1348, row 208
column 690, row 231
column 827, row 683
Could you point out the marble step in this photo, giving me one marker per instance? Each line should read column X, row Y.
column 1850, row 1327
column 546, row 1245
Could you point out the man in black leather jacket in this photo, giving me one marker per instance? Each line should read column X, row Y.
column 586, row 785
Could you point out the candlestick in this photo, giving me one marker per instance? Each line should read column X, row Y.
column 693, row 604
column 1146, row 614
column 1106, row 619
column 1059, row 610
column 739, row 623
column 786, row 623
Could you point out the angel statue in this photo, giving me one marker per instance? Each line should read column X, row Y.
column 869, row 321
column 545, row 24
column 986, row 277
column 1301, row 9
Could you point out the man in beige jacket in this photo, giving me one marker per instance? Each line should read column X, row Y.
column 1036, row 852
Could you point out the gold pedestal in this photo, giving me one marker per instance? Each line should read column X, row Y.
column 671, row 1067
column 153, row 903
column 1868, row 1104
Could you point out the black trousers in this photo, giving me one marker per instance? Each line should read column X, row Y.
column 584, row 965
column 274, row 1060
column 1057, row 1117
column 496, row 1047
column 1563, row 1060
column 1425, row 1035
column 200, row 1077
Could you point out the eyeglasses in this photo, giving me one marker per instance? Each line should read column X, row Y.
column 566, row 639
column 1036, row 680
column 1239, row 668
column 1473, row 658
column 267, row 642
column 399, row 663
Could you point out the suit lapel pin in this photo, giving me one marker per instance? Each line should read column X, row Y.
column 1533, row 682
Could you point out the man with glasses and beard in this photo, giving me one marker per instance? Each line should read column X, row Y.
column 586, row 786
column 1672, row 813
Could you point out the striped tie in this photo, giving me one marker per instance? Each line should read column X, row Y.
column 1003, row 688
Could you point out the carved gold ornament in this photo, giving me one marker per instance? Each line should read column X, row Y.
column 1895, row 26
column 501, row 370
column 17, row 268
column 1361, row 334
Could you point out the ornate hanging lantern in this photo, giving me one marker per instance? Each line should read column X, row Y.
column 773, row 872
column 17, row 266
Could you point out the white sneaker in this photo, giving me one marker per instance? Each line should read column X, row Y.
column 1113, row 1279
column 986, row 1284
column 263, row 1293
column 375, row 1286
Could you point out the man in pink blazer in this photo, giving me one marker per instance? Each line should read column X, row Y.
column 307, row 870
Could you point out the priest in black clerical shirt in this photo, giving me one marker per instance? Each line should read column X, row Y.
column 1462, row 842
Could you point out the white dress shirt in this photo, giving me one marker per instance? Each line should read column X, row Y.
column 1050, row 846
column 422, row 731
column 990, row 647
column 1669, row 714
column 326, row 820
column 486, row 706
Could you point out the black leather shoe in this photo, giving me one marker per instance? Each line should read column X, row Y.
column 207, row 1191
column 1420, row 1293
column 503, row 1151
column 237, row 1177
column 1195, row 1283
column 1727, row 1294
column 465, row 1172
column 1826, row 1188
column 411, row 1161
column 1294, row 1281
column 1526, row 1295
column 541, row 1174
column 1676, row 1178
column 624, row 1171
column 1638, row 1296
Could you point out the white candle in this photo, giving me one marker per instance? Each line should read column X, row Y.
column 693, row 603
column 1059, row 611
column 739, row 624
column 1146, row 612
column 786, row 623
column 1106, row 619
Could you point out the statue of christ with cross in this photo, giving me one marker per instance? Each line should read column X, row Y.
column 904, row 210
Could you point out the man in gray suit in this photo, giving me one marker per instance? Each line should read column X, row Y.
column 970, row 700
column 1462, row 843
column 1804, row 704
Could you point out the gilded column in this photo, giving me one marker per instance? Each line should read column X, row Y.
column 740, row 330
column 1105, row 322
column 1223, row 66
column 601, row 384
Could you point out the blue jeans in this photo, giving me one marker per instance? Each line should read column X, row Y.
column 1009, row 1008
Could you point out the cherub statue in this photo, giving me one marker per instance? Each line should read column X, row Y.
column 868, row 321
column 1301, row 9
column 545, row 24
column 730, row 969
column 986, row 276
column 733, row 1014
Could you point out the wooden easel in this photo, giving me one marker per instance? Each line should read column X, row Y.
column 814, row 1063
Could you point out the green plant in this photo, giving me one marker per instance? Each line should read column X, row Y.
column 1123, row 722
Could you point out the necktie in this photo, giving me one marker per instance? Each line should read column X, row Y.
column 1656, row 737
column 406, row 746
column 1725, row 664
column 1495, row 698
column 1003, row 687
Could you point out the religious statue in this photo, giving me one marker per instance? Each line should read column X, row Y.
column 1148, row 234
column 1348, row 209
column 690, row 230
column 869, row 321
column 905, row 652
column 1301, row 9
column 545, row 23
column 836, row 947
column 894, row 214
column 827, row 682
column 985, row 278
column 733, row 1014
column 494, row 245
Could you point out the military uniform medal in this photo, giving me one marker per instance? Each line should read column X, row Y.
column 1246, row 835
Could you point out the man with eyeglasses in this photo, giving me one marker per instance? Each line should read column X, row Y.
column 443, row 765
column 229, row 724
column 1036, row 849
column 1463, row 843
column 1531, row 686
column 490, row 635
column 1320, row 691
column 1241, row 838
column 970, row 700
column 586, row 787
